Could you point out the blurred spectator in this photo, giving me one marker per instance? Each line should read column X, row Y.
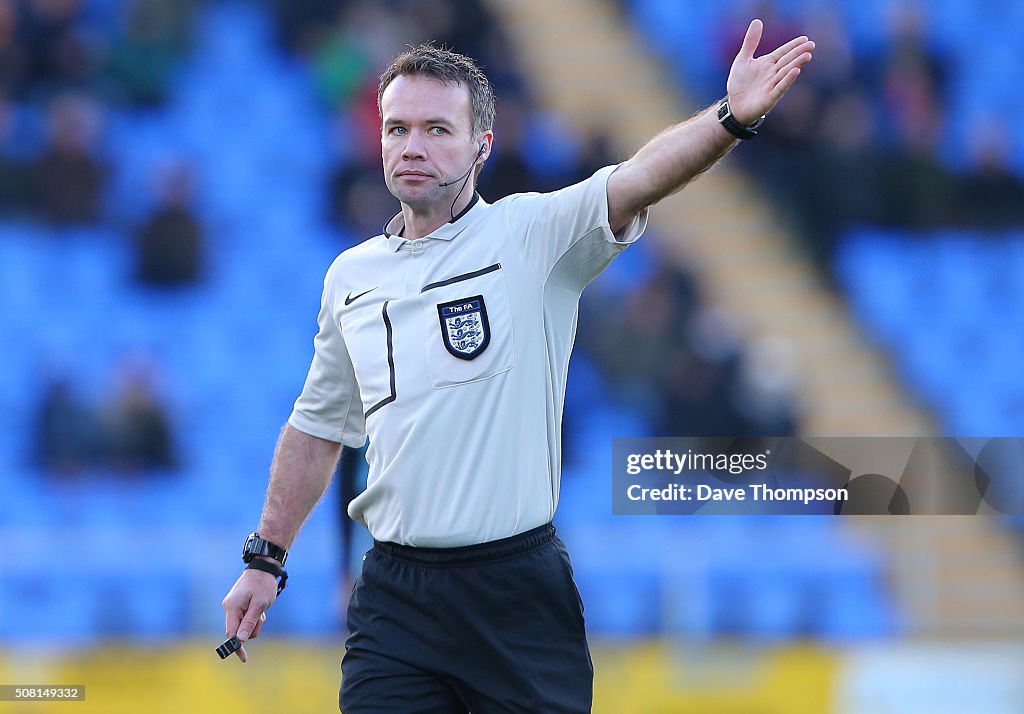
column 836, row 69
column 915, row 75
column 68, row 179
column 359, row 201
column 768, row 378
column 68, row 437
column 840, row 181
column 636, row 340
column 170, row 245
column 13, row 170
column 344, row 56
column 919, row 191
column 339, row 67
column 300, row 22
column 464, row 25
column 138, row 432
column 700, row 388
column 14, row 57
column 993, row 197
column 506, row 171
column 142, row 59
column 60, row 53
column 595, row 153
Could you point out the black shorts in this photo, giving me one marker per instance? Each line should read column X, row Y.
column 495, row 627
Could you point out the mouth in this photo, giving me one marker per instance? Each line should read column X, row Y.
column 413, row 174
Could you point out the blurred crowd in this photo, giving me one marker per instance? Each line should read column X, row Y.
column 671, row 356
column 862, row 138
column 692, row 375
column 128, row 434
column 70, row 68
column 65, row 67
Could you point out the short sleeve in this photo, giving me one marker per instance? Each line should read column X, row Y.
column 570, row 224
column 329, row 406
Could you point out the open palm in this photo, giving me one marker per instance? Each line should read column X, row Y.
column 757, row 85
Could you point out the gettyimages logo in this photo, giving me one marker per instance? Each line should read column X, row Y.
column 817, row 476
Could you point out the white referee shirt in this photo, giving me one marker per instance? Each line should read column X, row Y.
column 450, row 351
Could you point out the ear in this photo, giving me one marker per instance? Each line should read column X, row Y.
column 484, row 146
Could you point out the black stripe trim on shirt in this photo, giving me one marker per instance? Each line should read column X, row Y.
column 464, row 211
column 391, row 364
column 460, row 278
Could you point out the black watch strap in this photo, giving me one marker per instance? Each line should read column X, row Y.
column 728, row 121
column 267, row 567
column 255, row 545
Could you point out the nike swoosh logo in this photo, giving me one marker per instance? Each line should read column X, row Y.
column 351, row 299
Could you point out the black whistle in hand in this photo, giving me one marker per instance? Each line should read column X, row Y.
column 229, row 646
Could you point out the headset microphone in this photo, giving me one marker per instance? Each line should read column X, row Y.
column 464, row 178
column 466, row 175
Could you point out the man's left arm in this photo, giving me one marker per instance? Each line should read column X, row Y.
column 675, row 156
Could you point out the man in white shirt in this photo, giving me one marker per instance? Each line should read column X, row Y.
column 446, row 339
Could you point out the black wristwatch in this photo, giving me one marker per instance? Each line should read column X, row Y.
column 254, row 545
column 727, row 120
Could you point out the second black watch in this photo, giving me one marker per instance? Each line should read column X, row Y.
column 255, row 545
column 728, row 121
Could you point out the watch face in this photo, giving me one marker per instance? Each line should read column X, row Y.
column 250, row 547
column 254, row 545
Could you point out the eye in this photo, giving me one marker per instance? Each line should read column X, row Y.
column 438, row 130
column 397, row 130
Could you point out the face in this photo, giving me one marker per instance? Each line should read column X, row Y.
column 426, row 139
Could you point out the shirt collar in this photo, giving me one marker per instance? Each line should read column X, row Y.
column 394, row 227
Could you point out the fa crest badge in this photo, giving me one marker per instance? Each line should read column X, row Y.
column 464, row 327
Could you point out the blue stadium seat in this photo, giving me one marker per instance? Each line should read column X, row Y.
column 41, row 610
column 951, row 314
column 621, row 605
column 312, row 607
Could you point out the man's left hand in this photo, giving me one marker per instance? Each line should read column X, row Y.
column 757, row 85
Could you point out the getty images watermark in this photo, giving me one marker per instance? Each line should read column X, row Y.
column 818, row 476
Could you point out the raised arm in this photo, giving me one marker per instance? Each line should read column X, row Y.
column 301, row 470
column 675, row 156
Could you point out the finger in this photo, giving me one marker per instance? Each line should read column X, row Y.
column 782, row 87
column 259, row 626
column 778, row 53
column 797, row 63
column 242, row 654
column 250, row 621
column 232, row 618
column 794, row 53
column 751, row 40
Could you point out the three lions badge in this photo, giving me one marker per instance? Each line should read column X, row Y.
column 464, row 327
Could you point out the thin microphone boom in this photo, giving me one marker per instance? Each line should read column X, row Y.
column 464, row 178
column 452, row 183
column 473, row 166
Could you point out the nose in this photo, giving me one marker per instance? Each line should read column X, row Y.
column 413, row 148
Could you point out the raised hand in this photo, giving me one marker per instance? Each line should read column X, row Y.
column 755, row 85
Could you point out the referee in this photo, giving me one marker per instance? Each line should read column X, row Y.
column 446, row 339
